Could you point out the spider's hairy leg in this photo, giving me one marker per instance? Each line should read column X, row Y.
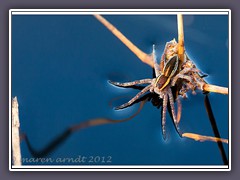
column 164, row 112
column 186, row 70
column 126, row 84
column 199, row 81
column 147, row 88
column 181, row 76
column 156, row 66
column 173, row 110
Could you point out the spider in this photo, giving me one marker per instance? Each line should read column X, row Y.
column 169, row 73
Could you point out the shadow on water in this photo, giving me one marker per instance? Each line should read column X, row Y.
column 66, row 134
column 151, row 97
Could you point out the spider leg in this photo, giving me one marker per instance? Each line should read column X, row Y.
column 156, row 66
column 164, row 111
column 199, row 81
column 187, row 87
column 180, row 76
column 186, row 70
column 147, row 88
column 173, row 110
column 126, row 84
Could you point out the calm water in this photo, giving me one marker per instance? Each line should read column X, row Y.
column 60, row 69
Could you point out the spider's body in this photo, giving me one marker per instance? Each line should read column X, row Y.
column 167, row 75
column 168, row 72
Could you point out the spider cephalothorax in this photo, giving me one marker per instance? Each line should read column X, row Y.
column 170, row 71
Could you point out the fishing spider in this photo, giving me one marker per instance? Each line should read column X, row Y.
column 169, row 73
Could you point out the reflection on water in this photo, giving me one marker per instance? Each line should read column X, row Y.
column 60, row 69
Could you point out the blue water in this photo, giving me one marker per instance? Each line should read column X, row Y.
column 60, row 68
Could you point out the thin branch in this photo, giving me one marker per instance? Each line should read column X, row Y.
column 214, row 88
column 181, row 49
column 179, row 111
column 201, row 138
column 140, row 54
column 16, row 150
column 148, row 58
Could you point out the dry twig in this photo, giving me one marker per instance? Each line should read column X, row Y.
column 15, row 134
column 181, row 49
column 214, row 88
column 140, row 54
column 201, row 138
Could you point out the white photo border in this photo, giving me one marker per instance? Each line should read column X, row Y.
column 117, row 12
